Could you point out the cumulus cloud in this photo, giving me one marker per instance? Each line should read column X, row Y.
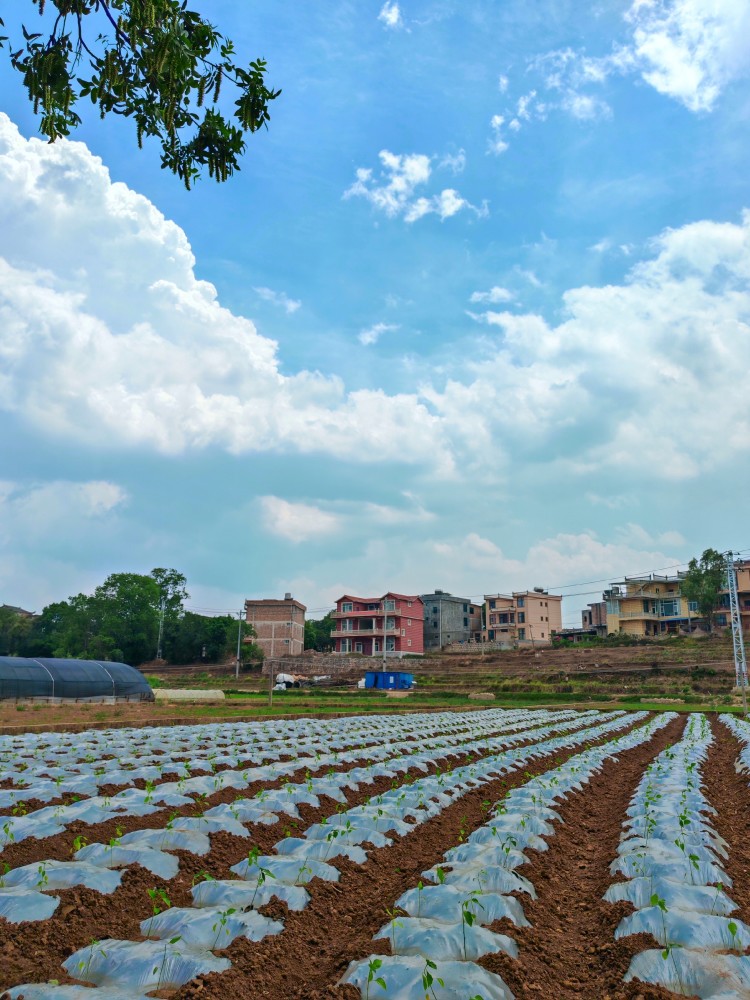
column 372, row 334
column 392, row 191
column 33, row 510
column 690, row 49
column 296, row 522
column 454, row 161
column 301, row 522
column 495, row 295
column 108, row 337
column 280, row 299
column 390, row 15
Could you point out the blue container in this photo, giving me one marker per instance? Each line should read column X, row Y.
column 392, row 680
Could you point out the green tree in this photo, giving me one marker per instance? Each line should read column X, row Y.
column 125, row 611
column 318, row 633
column 14, row 632
column 155, row 61
column 703, row 583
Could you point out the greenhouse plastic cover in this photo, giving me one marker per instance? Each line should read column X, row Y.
column 210, row 927
column 49, row 677
column 403, row 977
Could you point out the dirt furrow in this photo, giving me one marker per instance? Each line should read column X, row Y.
column 306, row 961
column 729, row 794
column 570, row 950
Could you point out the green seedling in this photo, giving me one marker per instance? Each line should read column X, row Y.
column 160, row 967
column 393, row 917
column 84, row 966
column 372, row 977
column 221, row 924
column 428, row 980
column 159, row 901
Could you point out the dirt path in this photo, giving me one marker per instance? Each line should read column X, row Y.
column 570, row 950
column 307, row 960
column 729, row 794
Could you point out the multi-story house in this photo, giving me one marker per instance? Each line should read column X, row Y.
column 648, row 605
column 595, row 617
column 449, row 620
column 364, row 624
column 279, row 625
column 743, row 597
column 523, row 618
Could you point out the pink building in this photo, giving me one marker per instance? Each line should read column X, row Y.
column 363, row 624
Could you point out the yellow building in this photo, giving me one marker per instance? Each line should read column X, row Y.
column 655, row 605
column 648, row 605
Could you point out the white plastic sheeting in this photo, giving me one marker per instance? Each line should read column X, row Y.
column 403, row 974
column 672, row 858
column 183, row 949
column 444, row 921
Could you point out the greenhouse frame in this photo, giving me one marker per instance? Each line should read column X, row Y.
column 53, row 679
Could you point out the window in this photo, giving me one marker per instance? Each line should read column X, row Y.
column 434, row 609
column 403, row 631
column 408, row 604
column 347, row 606
column 346, row 645
column 390, row 605
column 521, row 617
column 408, row 642
column 466, row 622
column 466, row 608
column 286, row 641
column 522, row 633
column 521, row 602
column 491, row 635
column 358, row 646
column 542, row 635
column 492, row 605
column 408, row 621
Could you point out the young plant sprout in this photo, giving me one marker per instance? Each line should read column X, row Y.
column 372, row 977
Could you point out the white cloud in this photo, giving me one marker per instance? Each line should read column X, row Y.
column 373, row 333
column 296, row 522
column 390, row 15
column 455, row 162
column 497, row 143
column 691, row 49
column 280, row 299
column 108, row 337
column 393, row 191
column 44, row 509
column 302, row 522
column 585, row 107
column 502, row 83
column 494, row 295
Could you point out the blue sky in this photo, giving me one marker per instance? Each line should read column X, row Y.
column 473, row 315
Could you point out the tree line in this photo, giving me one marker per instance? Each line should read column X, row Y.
column 120, row 621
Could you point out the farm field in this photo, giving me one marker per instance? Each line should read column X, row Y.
column 458, row 855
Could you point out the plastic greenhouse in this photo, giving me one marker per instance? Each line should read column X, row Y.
column 51, row 679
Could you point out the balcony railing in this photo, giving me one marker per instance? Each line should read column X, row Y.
column 351, row 633
column 369, row 612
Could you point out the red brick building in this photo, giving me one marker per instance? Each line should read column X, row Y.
column 279, row 625
column 362, row 624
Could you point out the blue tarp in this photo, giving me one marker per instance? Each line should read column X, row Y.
column 49, row 677
column 388, row 679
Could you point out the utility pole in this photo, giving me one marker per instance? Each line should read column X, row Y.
column 738, row 642
column 162, row 605
column 239, row 644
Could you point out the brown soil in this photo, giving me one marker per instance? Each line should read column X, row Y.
column 35, row 951
column 570, row 949
column 339, row 923
column 729, row 794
